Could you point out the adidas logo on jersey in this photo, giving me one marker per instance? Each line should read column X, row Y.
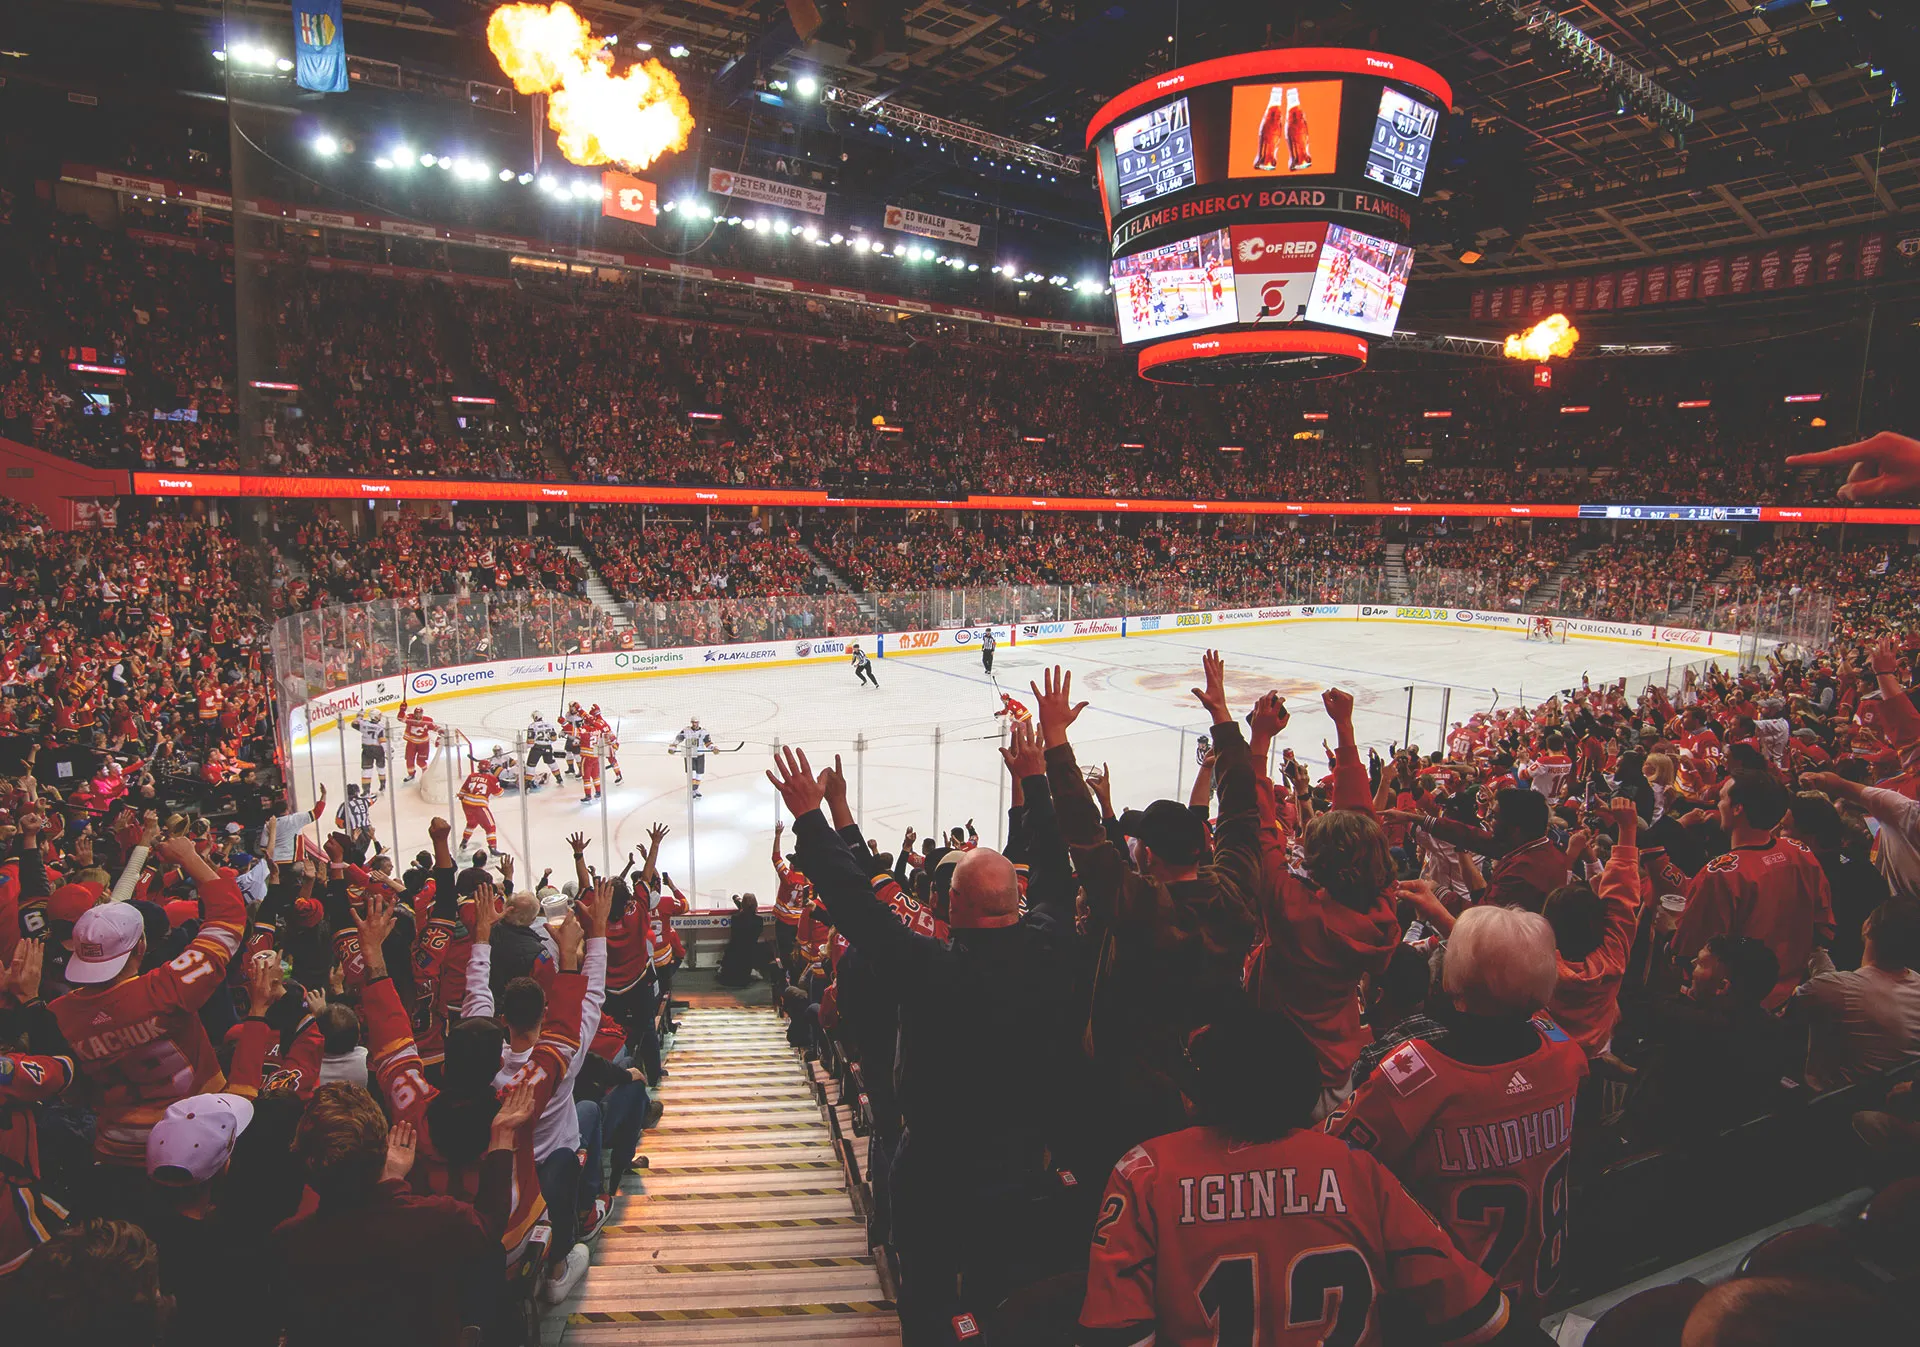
column 1519, row 1084
column 101, row 1018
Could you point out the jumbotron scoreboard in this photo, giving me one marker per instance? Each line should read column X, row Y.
column 1260, row 209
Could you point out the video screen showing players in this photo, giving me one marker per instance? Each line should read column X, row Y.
column 1153, row 154
column 1181, row 287
column 1360, row 283
column 1402, row 142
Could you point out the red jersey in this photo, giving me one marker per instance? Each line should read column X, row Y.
column 1485, row 1148
column 1287, row 1243
column 664, row 945
column 418, row 729
column 479, row 788
column 1776, row 893
column 392, row 1058
column 791, row 898
column 140, row 1043
column 25, row 1220
column 629, row 946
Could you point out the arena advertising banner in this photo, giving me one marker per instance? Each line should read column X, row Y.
column 319, row 46
column 1273, row 269
column 642, row 262
column 725, row 182
column 430, row 685
column 905, row 220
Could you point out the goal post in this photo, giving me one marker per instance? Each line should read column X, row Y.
column 1546, row 629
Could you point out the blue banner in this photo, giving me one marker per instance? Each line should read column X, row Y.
column 319, row 46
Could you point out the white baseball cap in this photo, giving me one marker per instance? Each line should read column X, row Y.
column 102, row 939
column 194, row 1140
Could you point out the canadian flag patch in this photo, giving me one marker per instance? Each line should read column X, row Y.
column 1406, row 1069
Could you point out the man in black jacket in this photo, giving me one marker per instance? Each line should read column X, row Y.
column 981, row 1021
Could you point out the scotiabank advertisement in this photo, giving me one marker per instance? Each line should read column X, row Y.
column 1273, row 270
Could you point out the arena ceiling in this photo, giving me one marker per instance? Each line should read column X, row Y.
column 1797, row 122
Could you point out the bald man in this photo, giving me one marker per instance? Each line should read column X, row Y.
column 983, row 1029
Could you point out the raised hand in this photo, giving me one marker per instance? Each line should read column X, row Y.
column 579, row 843
column 265, row 985
column 656, row 834
column 1339, row 704
column 1214, row 695
column 1883, row 467
column 1057, row 709
column 572, row 941
column 374, row 926
column 487, row 909
column 795, row 782
column 22, row 978
column 515, row 1112
column 833, row 780
column 402, row 1144
column 439, row 830
column 1269, row 716
column 1024, row 756
column 1626, row 820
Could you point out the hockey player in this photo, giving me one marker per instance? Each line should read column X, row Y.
column 695, row 743
column 597, row 725
column 542, row 735
column 570, row 724
column 862, row 666
column 418, row 730
column 476, row 802
column 373, row 748
column 591, row 747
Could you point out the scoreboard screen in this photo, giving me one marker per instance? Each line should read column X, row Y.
column 1265, row 192
column 1153, row 154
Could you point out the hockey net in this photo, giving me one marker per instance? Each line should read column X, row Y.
column 433, row 782
column 1547, row 629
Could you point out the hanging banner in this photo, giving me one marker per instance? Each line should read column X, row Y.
column 725, row 182
column 319, row 46
column 906, row 221
column 625, row 197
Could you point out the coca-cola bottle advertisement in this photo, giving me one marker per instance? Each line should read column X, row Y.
column 1282, row 129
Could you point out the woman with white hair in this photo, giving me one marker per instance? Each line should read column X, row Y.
column 1474, row 1113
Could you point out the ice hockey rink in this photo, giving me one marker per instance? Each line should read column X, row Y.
column 1142, row 722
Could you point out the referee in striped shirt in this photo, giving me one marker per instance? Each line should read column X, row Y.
column 355, row 818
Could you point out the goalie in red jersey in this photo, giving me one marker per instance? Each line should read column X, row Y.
column 1249, row 1227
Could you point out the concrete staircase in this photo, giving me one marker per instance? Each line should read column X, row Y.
column 597, row 591
column 1399, row 589
column 839, row 582
column 742, row 1229
column 1545, row 596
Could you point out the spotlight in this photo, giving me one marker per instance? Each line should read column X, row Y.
column 444, row 161
column 325, row 145
column 506, row 175
column 643, row 46
column 525, row 178
column 973, row 266
column 219, row 56
column 584, row 189
column 678, row 52
column 806, row 86
column 383, row 162
column 838, row 238
column 427, row 161
column 810, row 234
column 283, row 65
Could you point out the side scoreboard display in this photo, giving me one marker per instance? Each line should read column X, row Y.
column 1259, row 209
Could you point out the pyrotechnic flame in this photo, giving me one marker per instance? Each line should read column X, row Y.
column 599, row 117
column 1553, row 335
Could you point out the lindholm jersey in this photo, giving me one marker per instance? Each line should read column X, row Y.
column 1484, row 1148
column 1203, row 1240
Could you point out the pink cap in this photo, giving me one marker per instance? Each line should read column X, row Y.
column 103, row 937
column 194, row 1140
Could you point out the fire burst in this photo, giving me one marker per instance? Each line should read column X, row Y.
column 1553, row 335
column 599, row 117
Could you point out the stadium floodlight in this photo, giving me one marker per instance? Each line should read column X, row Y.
column 219, row 56
column 324, row 144
column 643, row 46
column 283, row 65
column 525, row 178
column 506, row 175
column 806, row 86
column 973, row 266
column 444, row 162
column 427, row 161
column 837, row 238
column 810, row 234
column 678, row 52
column 584, row 189
column 383, row 162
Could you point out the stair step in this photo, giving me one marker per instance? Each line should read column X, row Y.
column 756, row 1152
column 729, row 1208
column 872, row 1324
column 723, row 1244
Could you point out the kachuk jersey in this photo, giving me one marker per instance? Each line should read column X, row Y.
column 1202, row 1240
column 1485, row 1148
column 140, row 1043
